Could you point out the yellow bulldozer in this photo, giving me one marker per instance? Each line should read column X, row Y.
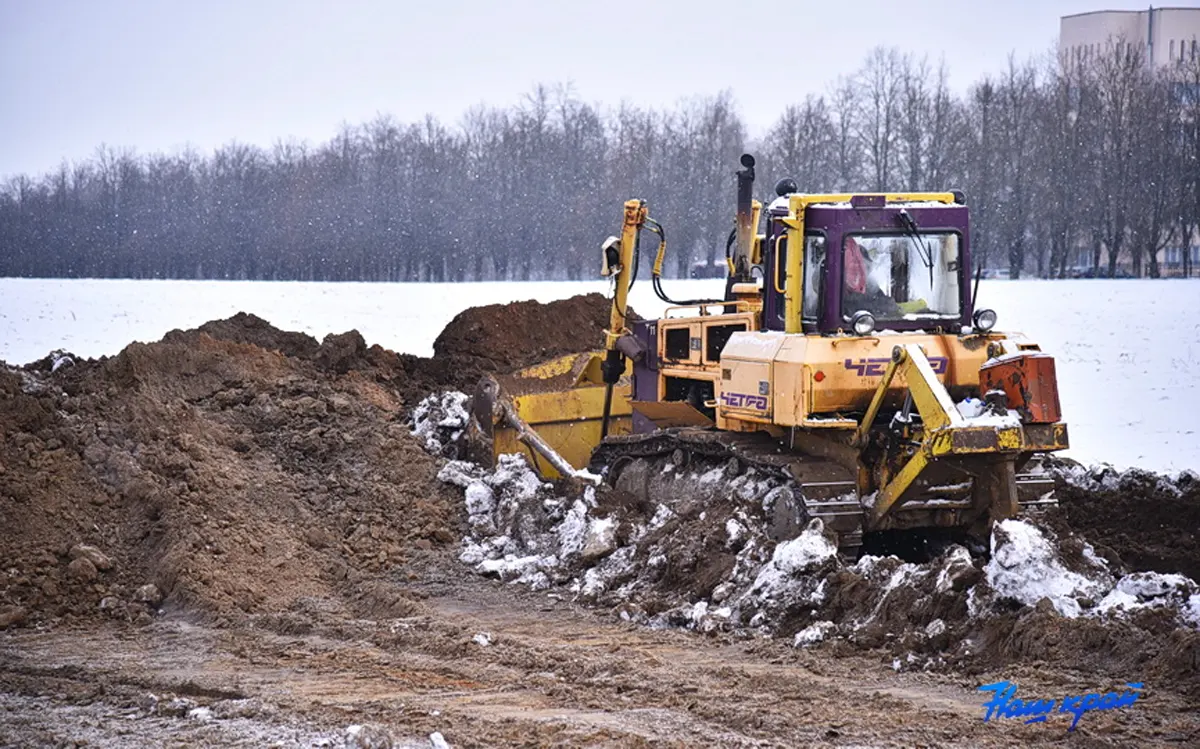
column 846, row 357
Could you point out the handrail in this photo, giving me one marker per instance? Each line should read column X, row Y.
column 778, row 286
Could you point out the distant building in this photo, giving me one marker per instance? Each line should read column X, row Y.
column 1166, row 36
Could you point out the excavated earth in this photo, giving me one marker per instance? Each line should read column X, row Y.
column 232, row 537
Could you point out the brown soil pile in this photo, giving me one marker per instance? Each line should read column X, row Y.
column 1146, row 521
column 227, row 477
column 496, row 339
column 237, row 468
column 1148, row 645
column 504, row 338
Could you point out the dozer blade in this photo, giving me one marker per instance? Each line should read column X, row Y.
column 561, row 401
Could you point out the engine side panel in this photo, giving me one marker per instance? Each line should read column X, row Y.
column 813, row 379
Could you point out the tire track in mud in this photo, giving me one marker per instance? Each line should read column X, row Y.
column 553, row 675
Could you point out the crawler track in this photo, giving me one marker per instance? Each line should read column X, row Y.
column 812, row 487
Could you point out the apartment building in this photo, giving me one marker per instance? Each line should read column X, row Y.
column 1166, row 35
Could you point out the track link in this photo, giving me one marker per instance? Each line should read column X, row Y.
column 819, row 488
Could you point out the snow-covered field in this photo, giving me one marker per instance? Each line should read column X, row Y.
column 1128, row 352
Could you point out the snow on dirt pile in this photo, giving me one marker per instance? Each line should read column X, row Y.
column 520, row 529
column 1146, row 521
column 211, row 476
column 440, row 420
column 713, row 559
column 1028, row 567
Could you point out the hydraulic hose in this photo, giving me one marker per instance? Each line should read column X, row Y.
column 656, row 271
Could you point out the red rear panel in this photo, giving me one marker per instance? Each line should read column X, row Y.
column 1029, row 383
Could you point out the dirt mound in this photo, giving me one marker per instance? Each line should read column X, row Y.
column 1147, row 521
column 496, row 339
column 209, row 476
column 504, row 338
column 247, row 328
column 337, row 352
column 240, row 469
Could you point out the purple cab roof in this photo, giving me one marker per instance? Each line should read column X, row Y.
column 837, row 220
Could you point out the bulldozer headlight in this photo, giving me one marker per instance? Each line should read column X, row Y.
column 984, row 319
column 863, row 323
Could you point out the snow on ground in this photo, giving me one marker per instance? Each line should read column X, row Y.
column 1127, row 351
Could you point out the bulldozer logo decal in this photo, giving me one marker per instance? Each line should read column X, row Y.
column 875, row 366
column 744, row 400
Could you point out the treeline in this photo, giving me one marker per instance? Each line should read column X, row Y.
column 1088, row 160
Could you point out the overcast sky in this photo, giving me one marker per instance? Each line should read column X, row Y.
column 158, row 75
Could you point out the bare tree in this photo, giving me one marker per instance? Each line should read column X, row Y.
column 1017, row 96
column 848, row 164
column 1091, row 156
column 981, row 175
column 1155, row 168
column 1188, row 150
column 1118, row 77
column 802, row 144
column 877, row 125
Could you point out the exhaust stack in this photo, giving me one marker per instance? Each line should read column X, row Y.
column 745, row 220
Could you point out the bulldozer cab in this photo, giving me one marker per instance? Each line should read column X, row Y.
column 903, row 259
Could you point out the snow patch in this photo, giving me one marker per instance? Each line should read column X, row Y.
column 969, row 408
column 200, row 714
column 1149, row 590
column 60, row 359
column 1190, row 612
column 1026, row 567
column 812, row 634
column 440, row 420
column 734, row 532
column 792, row 576
column 808, row 550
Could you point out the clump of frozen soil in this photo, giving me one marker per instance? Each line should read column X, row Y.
column 711, row 563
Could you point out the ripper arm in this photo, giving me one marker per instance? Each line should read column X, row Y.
column 944, row 432
column 619, row 260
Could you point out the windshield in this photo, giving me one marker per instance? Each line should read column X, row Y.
column 901, row 276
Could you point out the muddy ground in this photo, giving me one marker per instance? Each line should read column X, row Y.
column 231, row 537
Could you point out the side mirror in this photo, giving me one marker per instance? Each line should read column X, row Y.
column 610, row 256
